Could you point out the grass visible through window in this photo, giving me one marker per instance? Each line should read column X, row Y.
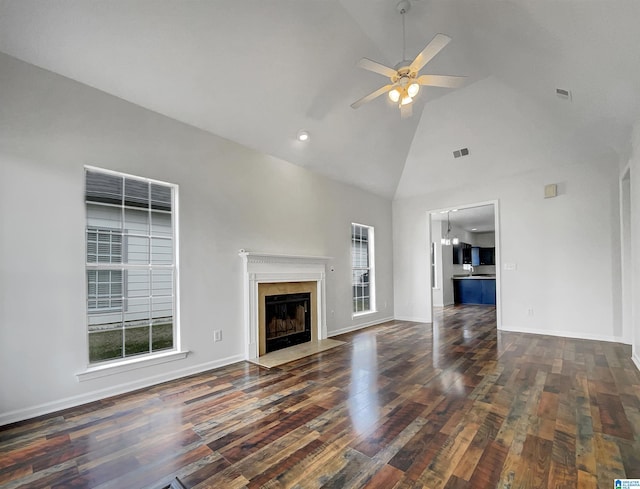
column 107, row 345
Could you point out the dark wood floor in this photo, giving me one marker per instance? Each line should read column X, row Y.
column 396, row 407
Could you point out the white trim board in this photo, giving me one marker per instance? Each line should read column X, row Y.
column 97, row 395
column 98, row 371
column 565, row 334
column 636, row 360
column 414, row 320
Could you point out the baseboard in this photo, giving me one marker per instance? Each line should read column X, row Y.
column 69, row 402
column 566, row 334
column 356, row 327
column 412, row 319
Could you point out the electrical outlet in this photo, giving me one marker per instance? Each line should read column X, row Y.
column 217, row 335
column 530, row 311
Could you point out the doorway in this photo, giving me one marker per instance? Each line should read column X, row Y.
column 465, row 256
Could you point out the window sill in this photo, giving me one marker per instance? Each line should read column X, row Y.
column 363, row 313
column 98, row 371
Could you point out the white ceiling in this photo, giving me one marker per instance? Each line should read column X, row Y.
column 257, row 71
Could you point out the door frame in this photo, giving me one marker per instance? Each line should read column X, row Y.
column 498, row 246
column 626, row 252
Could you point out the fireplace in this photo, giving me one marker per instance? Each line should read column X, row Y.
column 267, row 274
column 286, row 314
column 287, row 320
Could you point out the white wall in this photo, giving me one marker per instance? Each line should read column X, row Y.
column 484, row 240
column 230, row 197
column 567, row 249
column 563, row 248
column 634, row 165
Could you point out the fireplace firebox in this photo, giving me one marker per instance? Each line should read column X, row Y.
column 287, row 320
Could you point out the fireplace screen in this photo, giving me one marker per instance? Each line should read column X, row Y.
column 287, row 320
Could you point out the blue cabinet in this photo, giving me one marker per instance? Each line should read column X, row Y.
column 488, row 291
column 483, row 256
column 487, row 256
column 474, row 291
column 469, row 292
column 462, row 254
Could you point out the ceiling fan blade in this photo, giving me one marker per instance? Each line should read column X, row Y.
column 433, row 48
column 406, row 111
column 376, row 67
column 446, row 81
column 371, row 96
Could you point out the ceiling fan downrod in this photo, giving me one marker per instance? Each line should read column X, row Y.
column 403, row 7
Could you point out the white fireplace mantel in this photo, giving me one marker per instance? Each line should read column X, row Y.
column 272, row 268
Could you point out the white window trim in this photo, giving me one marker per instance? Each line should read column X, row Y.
column 372, row 273
column 363, row 313
column 111, row 367
column 132, row 363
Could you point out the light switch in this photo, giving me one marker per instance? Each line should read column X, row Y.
column 510, row 266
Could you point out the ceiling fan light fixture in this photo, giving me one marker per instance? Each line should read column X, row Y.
column 394, row 95
column 405, row 79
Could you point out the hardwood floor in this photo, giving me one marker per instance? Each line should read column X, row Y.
column 397, row 406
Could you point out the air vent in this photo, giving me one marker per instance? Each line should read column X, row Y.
column 562, row 93
column 461, row 152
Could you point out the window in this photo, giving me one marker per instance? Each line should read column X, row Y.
column 104, row 286
column 434, row 283
column 362, row 269
column 131, row 266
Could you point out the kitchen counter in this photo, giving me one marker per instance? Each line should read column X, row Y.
column 473, row 277
column 474, row 289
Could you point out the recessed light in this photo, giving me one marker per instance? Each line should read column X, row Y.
column 474, row 229
column 443, row 212
column 454, row 210
column 303, row 135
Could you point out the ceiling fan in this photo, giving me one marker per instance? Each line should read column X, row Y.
column 405, row 76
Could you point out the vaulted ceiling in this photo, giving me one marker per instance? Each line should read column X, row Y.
column 258, row 71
